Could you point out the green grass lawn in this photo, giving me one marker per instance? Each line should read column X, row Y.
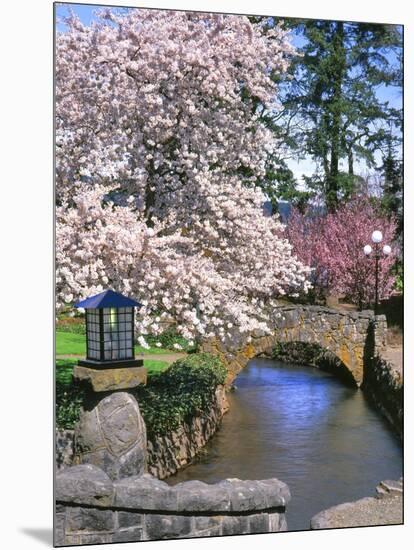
column 69, row 343
column 64, row 369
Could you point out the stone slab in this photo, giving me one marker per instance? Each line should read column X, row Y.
column 232, row 495
column 111, row 379
column 84, row 484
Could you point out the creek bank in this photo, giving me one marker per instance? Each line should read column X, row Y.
column 166, row 454
column 93, row 509
column 386, row 508
column 169, row 453
column 157, row 427
column 300, row 353
column 383, row 385
column 382, row 382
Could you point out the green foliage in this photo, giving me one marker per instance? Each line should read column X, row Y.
column 280, row 184
column 392, row 186
column 172, row 395
column 399, row 282
column 68, row 403
column 298, row 352
column 74, row 325
column 331, row 111
column 179, row 393
column 68, row 395
column 170, row 337
column 64, row 369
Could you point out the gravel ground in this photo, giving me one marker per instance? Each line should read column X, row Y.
column 361, row 513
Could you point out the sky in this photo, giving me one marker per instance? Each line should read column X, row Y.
column 306, row 166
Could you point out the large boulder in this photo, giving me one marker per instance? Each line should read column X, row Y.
column 111, row 434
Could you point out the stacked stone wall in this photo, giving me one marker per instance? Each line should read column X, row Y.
column 169, row 453
column 383, row 385
column 93, row 509
column 165, row 454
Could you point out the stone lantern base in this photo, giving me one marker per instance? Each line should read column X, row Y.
column 111, row 434
column 110, row 379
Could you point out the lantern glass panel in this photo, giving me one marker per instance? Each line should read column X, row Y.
column 93, row 333
column 110, row 333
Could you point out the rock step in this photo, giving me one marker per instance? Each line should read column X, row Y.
column 389, row 488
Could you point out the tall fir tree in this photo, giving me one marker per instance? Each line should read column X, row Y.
column 331, row 109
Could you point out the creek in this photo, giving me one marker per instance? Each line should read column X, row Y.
column 305, row 427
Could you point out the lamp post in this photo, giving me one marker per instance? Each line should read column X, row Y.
column 376, row 238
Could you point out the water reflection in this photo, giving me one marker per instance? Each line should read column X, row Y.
column 306, row 428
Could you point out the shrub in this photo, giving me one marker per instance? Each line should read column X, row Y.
column 68, row 404
column 75, row 325
column 298, row 352
column 170, row 337
column 170, row 397
column 179, row 393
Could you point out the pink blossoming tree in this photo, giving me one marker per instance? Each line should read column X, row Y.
column 332, row 245
column 159, row 148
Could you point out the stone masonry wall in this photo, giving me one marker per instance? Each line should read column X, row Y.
column 166, row 454
column 93, row 509
column 169, row 453
column 344, row 334
column 383, row 384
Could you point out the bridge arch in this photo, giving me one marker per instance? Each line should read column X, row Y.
column 347, row 335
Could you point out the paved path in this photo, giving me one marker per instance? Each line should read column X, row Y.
column 167, row 357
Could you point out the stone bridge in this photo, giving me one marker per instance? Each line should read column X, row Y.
column 350, row 336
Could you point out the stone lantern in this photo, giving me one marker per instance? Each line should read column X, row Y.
column 110, row 362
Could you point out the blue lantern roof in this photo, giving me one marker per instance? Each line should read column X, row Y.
column 108, row 298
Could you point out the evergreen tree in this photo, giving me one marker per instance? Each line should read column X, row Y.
column 391, row 170
column 330, row 106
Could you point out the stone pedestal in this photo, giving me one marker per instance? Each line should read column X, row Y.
column 111, row 434
column 101, row 380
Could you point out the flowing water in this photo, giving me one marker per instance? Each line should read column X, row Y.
column 306, row 428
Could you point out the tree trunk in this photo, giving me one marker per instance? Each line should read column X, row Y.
column 350, row 161
column 338, row 69
column 149, row 196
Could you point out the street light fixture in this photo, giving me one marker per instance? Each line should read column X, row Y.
column 376, row 238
